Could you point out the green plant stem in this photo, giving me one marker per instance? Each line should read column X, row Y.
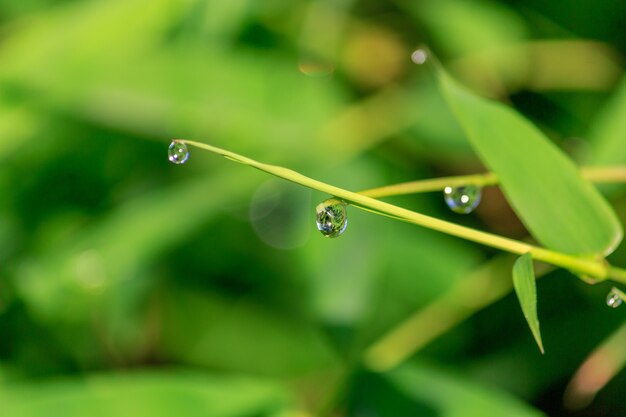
column 616, row 274
column 597, row 269
column 604, row 175
column 487, row 283
column 435, row 184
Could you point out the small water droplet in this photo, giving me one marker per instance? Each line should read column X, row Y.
column 178, row 153
column 331, row 218
column 419, row 56
column 463, row 199
column 613, row 299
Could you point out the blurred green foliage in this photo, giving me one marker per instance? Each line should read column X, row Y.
column 133, row 286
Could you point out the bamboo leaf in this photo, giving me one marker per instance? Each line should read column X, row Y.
column 153, row 394
column 288, row 342
column 119, row 246
column 608, row 132
column 558, row 206
column 445, row 394
column 607, row 135
column 526, row 290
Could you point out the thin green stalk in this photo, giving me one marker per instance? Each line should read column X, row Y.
column 597, row 269
column 487, row 284
column 605, row 175
column 435, row 184
column 616, row 274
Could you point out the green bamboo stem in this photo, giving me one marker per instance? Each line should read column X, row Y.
column 435, row 184
column 616, row 274
column 605, row 175
column 598, row 269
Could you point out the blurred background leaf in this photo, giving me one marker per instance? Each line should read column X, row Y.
column 149, row 393
column 435, row 392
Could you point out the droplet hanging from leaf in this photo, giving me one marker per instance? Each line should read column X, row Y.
column 178, row 153
column 464, row 199
column 419, row 56
column 614, row 299
column 331, row 217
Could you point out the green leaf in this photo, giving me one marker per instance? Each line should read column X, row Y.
column 244, row 336
column 526, row 290
column 464, row 27
column 561, row 209
column 608, row 132
column 115, row 249
column 104, row 269
column 448, row 395
column 19, row 124
column 151, row 394
column 136, row 87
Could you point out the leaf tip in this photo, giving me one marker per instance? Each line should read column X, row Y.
column 540, row 345
column 524, row 285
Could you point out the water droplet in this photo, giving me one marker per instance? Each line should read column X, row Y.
column 178, row 153
column 463, row 199
column 613, row 299
column 331, row 218
column 419, row 56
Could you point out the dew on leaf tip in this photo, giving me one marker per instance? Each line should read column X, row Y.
column 178, row 153
column 613, row 299
column 419, row 56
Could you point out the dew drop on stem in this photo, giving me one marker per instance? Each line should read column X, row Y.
column 331, row 217
column 462, row 199
column 613, row 299
column 419, row 56
column 178, row 153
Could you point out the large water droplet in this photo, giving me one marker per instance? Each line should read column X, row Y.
column 463, row 199
column 331, row 218
column 613, row 299
column 419, row 56
column 178, row 153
